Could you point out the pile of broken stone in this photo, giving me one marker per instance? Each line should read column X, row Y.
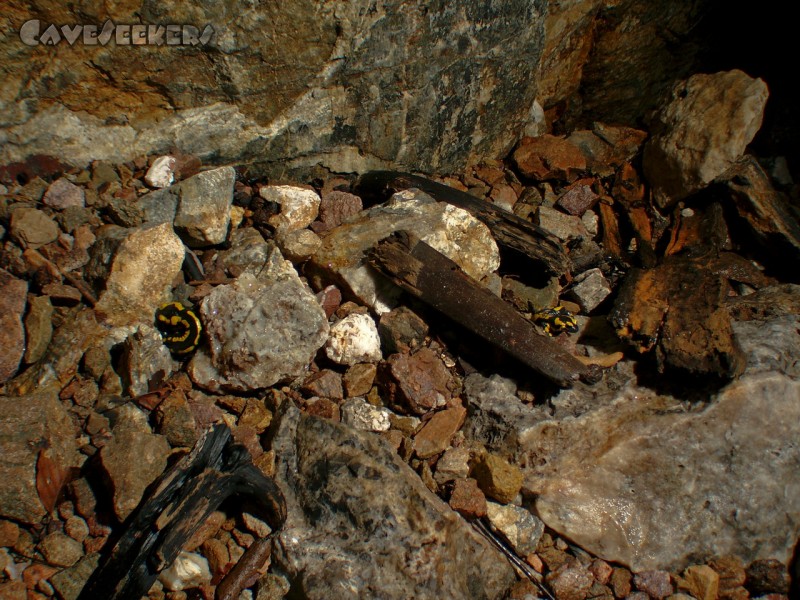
column 388, row 431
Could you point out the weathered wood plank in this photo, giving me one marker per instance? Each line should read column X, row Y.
column 439, row 282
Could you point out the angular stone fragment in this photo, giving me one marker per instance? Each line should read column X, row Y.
column 325, row 383
column 147, row 363
column 143, row 268
column 360, row 414
column 706, row 126
column 359, row 378
column 590, row 289
column 417, row 382
column 161, row 172
column 28, row 424
column 701, row 581
column 259, row 331
column 203, row 213
column 453, row 464
column 656, row 584
column 767, row 576
column 549, row 157
column 354, row 339
column 69, row 582
column 336, row 208
column 38, row 328
column 450, row 230
column 298, row 206
column 570, row 582
column 564, row 227
column 518, row 526
column 578, row 198
column 32, row 228
column 468, row 499
column 62, row 194
column 60, row 550
column 128, row 479
column 355, row 509
column 13, row 297
column 497, row 477
column 401, row 330
column 435, row 435
column 298, row 245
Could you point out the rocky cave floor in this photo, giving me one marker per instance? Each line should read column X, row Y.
column 310, row 367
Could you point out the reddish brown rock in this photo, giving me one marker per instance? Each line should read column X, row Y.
column 601, row 571
column 335, row 208
column 435, row 435
column 731, row 576
column 359, row 378
column 418, row 382
column 468, row 499
column 401, row 330
column 578, row 198
column 324, row 383
column 13, row 295
column 330, row 298
column 549, row 157
column 656, row 584
column 621, row 582
column 9, row 533
column 323, row 407
column 767, row 576
column 570, row 582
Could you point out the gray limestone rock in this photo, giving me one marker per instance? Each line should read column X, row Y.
column 301, row 83
column 704, row 128
column 147, row 362
column 362, row 524
column 28, row 424
column 653, row 482
column 203, row 212
column 260, row 331
column 450, row 230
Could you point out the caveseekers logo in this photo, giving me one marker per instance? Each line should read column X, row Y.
column 35, row 33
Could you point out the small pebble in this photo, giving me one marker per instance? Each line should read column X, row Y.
column 161, row 172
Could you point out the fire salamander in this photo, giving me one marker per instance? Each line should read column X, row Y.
column 180, row 327
column 555, row 320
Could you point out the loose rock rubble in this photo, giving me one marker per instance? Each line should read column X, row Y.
column 389, row 429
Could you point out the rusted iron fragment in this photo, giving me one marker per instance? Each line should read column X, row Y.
column 509, row 230
column 678, row 309
column 439, row 282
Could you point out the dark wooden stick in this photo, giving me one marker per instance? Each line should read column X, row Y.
column 438, row 281
column 509, row 230
column 183, row 498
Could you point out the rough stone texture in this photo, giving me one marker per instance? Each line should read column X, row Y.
column 298, row 206
column 359, row 378
column 401, row 330
column 60, row 550
column 143, row 268
column 335, row 208
column 305, row 82
column 590, row 289
column 62, row 194
column 360, row 414
column 128, row 479
column 570, row 582
column 38, row 328
column 703, row 130
column 564, row 227
column 453, row 464
column 435, row 435
column 28, row 424
column 497, row 477
column 32, row 228
column 176, row 421
column 549, row 157
column 354, row 339
column 188, row 570
column 204, row 208
column 692, row 468
column 161, row 172
column 767, row 576
column 69, row 582
column 419, row 382
column 517, row 525
column 298, row 245
column 260, row 331
column 450, row 230
column 325, row 383
column 656, row 584
column 701, row 581
column 13, row 298
column 362, row 524
column 147, row 362
column 607, row 147
column 468, row 499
